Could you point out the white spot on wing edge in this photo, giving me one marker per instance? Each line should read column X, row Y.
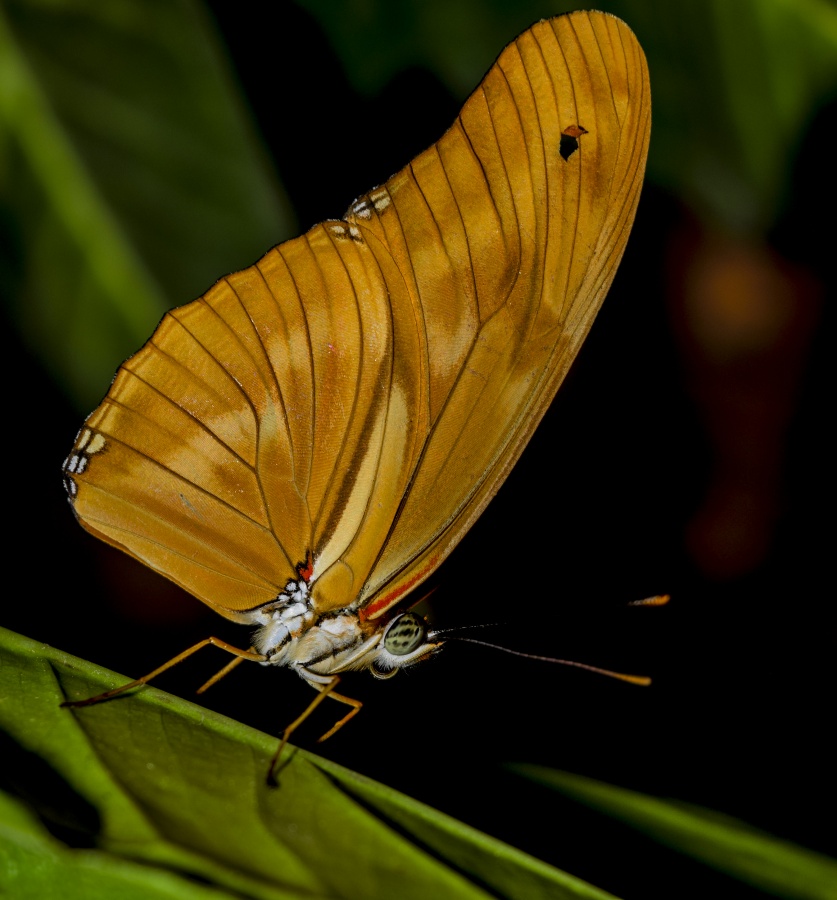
column 96, row 444
column 380, row 199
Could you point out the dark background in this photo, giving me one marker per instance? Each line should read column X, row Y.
column 623, row 492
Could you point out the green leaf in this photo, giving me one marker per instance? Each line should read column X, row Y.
column 33, row 864
column 183, row 790
column 458, row 40
column 130, row 178
column 725, row 843
column 734, row 87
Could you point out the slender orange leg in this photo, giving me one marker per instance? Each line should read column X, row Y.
column 324, row 691
column 236, row 661
column 349, row 701
column 216, row 642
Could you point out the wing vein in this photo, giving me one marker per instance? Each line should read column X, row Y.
column 202, row 425
column 338, row 457
column 180, row 477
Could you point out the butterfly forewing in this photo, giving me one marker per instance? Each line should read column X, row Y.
column 354, row 399
column 544, row 236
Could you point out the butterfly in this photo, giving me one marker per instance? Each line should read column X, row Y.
column 302, row 446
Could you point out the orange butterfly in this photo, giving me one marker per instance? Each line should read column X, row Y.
column 302, row 446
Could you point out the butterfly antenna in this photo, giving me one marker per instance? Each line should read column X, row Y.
column 441, row 631
column 435, row 634
column 658, row 600
column 644, row 681
column 621, row 676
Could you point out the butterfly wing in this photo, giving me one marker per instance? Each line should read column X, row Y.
column 348, row 405
column 262, row 426
column 510, row 242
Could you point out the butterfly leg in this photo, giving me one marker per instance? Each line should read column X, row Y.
column 325, row 690
column 216, row 642
column 349, row 701
column 232, row 664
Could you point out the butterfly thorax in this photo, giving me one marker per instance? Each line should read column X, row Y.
column 292, row 633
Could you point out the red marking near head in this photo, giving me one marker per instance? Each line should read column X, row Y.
column 373, row 610
column 306, row 570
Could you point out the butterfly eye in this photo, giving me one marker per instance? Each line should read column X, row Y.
column 405, row 634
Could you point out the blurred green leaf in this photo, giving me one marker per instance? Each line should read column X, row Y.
column 734, row 85
column 33, row 865
column 725, row 843
column 458, row 40
column 130, row 178
column 183, row 790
